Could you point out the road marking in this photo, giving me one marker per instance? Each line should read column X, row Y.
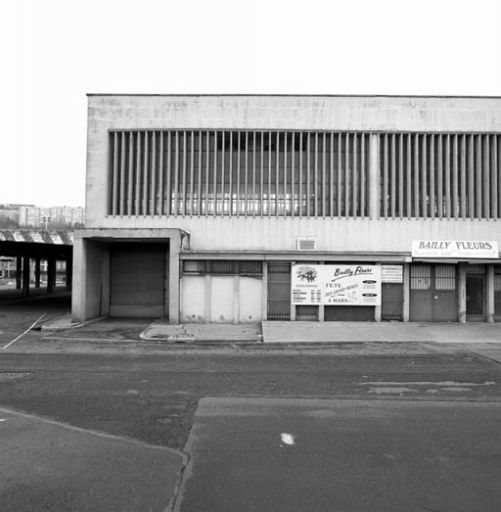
column 287, row 439
column 3, row 419
column 447, row 383
column 89, row 432
column 25, row 332
column 391, row 390
column 69, row 338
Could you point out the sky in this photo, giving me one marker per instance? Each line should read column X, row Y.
column 54, row 52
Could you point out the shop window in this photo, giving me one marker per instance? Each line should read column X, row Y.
column 421, row 277
column 445, row 277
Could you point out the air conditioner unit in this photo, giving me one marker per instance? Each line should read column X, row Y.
column 306, row 244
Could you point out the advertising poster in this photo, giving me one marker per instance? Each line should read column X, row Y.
column 392, row 274
column 341, row 285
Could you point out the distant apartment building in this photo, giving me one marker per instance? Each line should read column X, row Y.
column 9, row 214
column 53, row 216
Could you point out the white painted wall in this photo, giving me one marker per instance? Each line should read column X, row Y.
column 224, row 299
column 250, row 300
column 193, row 304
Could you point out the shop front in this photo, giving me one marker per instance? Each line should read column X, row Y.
column 454, row 280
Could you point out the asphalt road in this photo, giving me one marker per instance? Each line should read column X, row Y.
column 154, row 399
column 49, row 467
column 343, row 455
column 434, row 444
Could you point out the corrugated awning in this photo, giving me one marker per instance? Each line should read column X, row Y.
column 37, row 236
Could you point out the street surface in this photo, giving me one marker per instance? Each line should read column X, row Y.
column 366, row 428
column 53, row 467
column 349, row 455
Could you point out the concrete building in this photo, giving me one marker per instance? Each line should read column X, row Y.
column 243, row 208
column 9, row 215
column 51, row 217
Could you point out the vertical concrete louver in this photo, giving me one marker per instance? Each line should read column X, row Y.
column 440, row 176
column 255, row 173
column 312, row 174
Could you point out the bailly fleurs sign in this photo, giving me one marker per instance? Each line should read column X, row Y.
column 342, row 285
column 454, row 249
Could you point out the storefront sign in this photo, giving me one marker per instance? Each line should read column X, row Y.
column 454, row 249
column 392, row 274
column 342, row 285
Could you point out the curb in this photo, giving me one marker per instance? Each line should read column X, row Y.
column 72, row 325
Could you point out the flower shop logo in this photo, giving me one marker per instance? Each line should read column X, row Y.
column 308, row 274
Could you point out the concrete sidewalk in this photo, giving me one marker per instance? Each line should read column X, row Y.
column 275, row 332
column 191, row 333
column 325, row 332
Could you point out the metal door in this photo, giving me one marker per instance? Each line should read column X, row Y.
column 392, row 301
column 279, row 290
column 475, row 297
column 433, row 296
column 137, row 277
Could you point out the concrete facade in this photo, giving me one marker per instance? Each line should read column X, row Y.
column 373, row 237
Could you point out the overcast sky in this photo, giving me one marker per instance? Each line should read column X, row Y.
column 56, row 51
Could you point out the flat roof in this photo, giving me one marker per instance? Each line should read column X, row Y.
column 197, row 95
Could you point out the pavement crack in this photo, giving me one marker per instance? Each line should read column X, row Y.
column 174, row 504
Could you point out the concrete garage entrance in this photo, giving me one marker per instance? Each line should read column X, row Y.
column 138, row 274
column 127, row 273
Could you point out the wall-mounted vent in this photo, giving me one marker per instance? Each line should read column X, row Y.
column 306, row 244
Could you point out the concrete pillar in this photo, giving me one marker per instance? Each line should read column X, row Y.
column 104, row 306
column 489, row 289
column 19, row 266
column 378, row 309
column 374, row 176
column 462, row 292
column 26, row 275
column 293, row 307
column 37, row 272
column 207, row 297
column 174, row 248
column 236, row 299
column 78, row 288
column 321, row 307
column 51, row 274
column 407, row 292
column 69, row 272
column 264, row 292
column 166, row 283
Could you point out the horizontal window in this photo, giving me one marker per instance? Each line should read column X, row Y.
column 222, row 267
